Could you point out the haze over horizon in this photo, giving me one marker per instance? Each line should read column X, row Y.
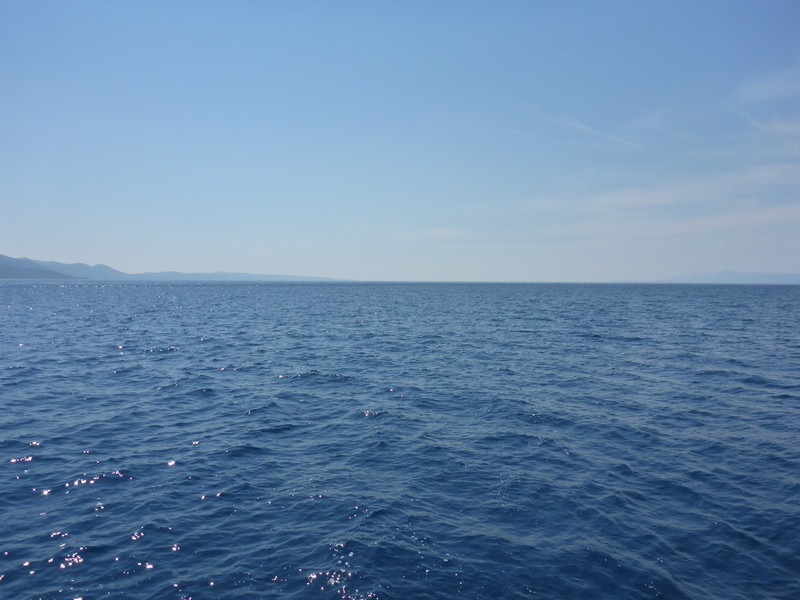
column 518, row 141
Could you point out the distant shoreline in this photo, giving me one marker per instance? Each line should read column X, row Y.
column 26, row 269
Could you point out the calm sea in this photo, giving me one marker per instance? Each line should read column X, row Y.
column 399, row 441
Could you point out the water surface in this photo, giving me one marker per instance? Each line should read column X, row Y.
column 397, row 441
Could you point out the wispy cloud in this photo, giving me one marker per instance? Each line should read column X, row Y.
column 629, row 226
column 660, row 124
column 779, row 85
column 434, row 234
column 770, row 104
column 582, row 127
column 729, row 205
column 756, row 183
column 785, row 129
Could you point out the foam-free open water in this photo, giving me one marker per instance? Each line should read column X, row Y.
column 399, row 441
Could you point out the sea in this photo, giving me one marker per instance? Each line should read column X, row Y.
column 394, row 441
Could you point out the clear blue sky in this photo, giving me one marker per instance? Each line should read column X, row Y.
column 403, row 140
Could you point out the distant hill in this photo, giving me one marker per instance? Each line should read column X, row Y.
column 738, row 277
column 219, row 276
column 25, row 268
column 83, row 271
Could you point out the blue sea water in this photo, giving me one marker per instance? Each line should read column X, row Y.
column 399, row 441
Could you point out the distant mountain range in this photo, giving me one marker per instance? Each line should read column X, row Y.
column 25, row 268
column 738, row 277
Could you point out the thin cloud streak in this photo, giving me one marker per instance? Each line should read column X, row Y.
column 661, row 125
column 783, row 129
column 779, row 85
column 717, row 189
column 623, row 228
column 581, row 127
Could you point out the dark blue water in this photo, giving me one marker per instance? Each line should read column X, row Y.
column 399, row 441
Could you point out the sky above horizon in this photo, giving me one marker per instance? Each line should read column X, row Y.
column 446, row 141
